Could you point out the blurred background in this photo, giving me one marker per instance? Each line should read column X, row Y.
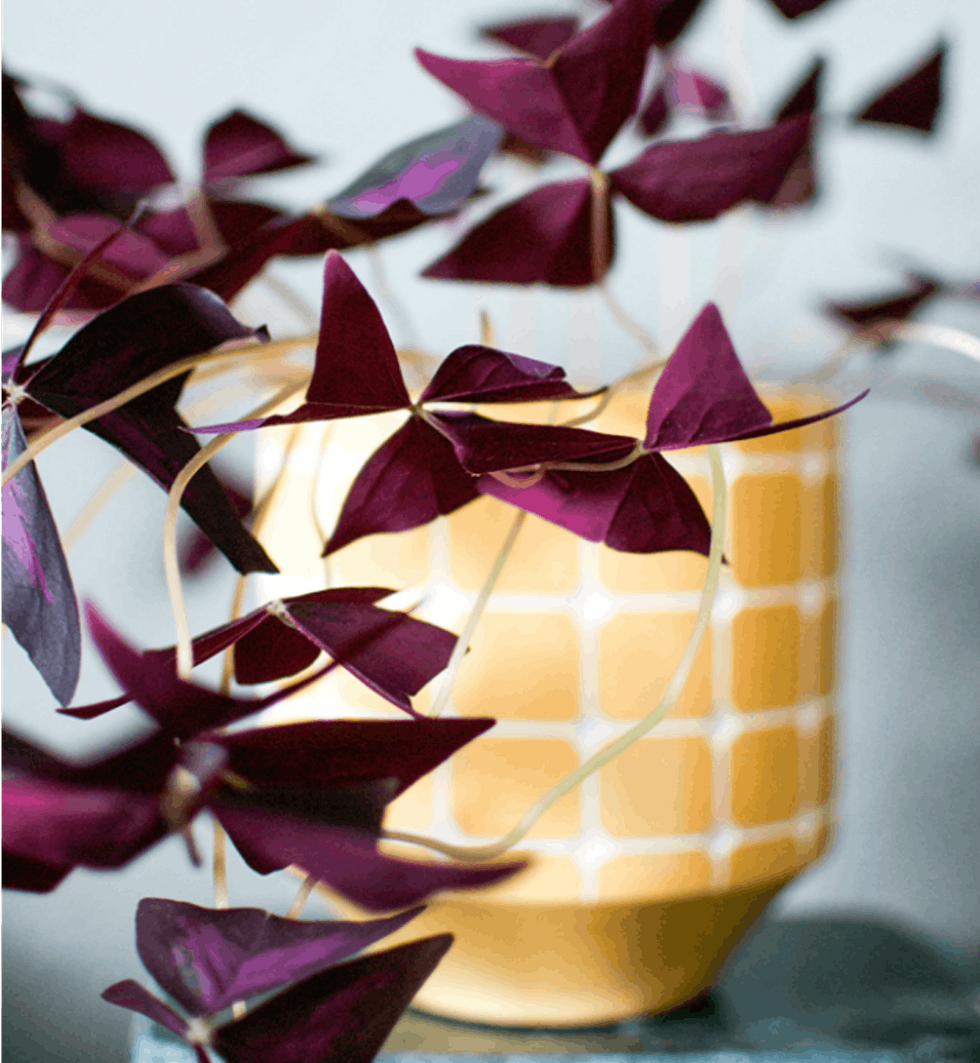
column 340, row 81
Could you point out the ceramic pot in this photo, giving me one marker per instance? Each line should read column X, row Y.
column 642, row 880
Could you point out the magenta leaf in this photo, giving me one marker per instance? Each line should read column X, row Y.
column 670, row 19
column 800, row 184
column 696, row 180
column 238, row 145
column 545, row 236
column 869, row 315
column 482, row 445
column 343, row 1014
column 206, row 958
column 339, row 753
column 436, row 172
column 138, row 336
column 804, row 98
column 794, row 8
column 643, row 508
column 537, row 36
column 32, row 876
column 483, row 374
column 131, row 995
column 408, row 481
column 348, row 859
column 703, row 395
column 356, row 369
column 656, row 112
column 38, row 597
column 695, row 93
column 914, row 101
column 577, row 101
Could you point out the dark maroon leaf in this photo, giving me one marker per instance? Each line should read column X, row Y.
column 800, row 184
column 482, row 445
column 408, row 481
column 356, row 369
column 131, row 995
column 914, row 101
column 32, row 876
column 349, row 860
column 695, row 93
column 703, row 395
column 345, row 1013
column 239, row 144
column 206, row 958
column 38, row 597
column 338, row 753
column 670, row 19
column 868, row 315
column 643, row 508
column 436, row 172
column 696, row 180
column 197, row 549
column 656, row 113
column 795, row 8
column 95, row 709
column 577, row 101
column 483, row 374
column 537, row 36
column 138, row 336
column 804, row 98
column 545, row 236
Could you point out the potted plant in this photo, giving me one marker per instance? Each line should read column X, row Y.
column 312, row 794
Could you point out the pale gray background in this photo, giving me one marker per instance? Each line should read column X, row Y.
column 340, row 79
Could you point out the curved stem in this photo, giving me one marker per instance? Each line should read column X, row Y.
column 462, row 643
column 634, row 328
column 952, row 339
column 171, row 566
column 480, row 853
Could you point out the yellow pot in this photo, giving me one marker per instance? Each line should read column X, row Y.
column 642, row 879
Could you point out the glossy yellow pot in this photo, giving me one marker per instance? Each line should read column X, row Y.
column 642, row 879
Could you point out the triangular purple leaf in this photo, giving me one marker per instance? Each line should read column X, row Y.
column 344, row 1014
column 538, row 36
column 408, row 481
column 696, row 180
column 483, row 374
column 349, row 860
column 670, row 19
column 238, row 145
column 643, row 508
column 131, row 995
column 436, row 172
column 794, row 8
column 873, row 312
column 656, row 113
column 545, row 236
column 206, row 958
column 38, row 597
column 123, row 345
column 804, row 98
column 914, row 101
column 482, row 445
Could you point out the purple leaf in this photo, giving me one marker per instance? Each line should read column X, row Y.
column 38, row 597
column 349, row 861
column 703, row 395
column 32, row 876
column 670, row 19
column 696, row 180
column 345, row 1013
column 643, row 508
column 694, row 93
column 206, row 959
column 239, row 144
column 436, row 172
column 867, row 316
column 482, row 374
column 197, row 549
column 131, row 995
column 800, row 184
column 408, row 481
column 656, row 113
column 804, row 98
column 338, row 753
column 482, row 445
column 138, row 336
column 914, row 101
column 577, row 101
column 794, row 8
column 356, row 369
column 545, row 236
column 537, row 36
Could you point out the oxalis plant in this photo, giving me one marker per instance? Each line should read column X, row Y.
column 100, row 237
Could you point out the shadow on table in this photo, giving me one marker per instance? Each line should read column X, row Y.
column 803, row 987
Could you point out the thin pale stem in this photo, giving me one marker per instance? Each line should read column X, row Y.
column 486, row 329
column 405, row 325
column 238, row 355
column 953, row 339
column 120, row 476
column 292, row 299
column 302, row 896
column 480, row 853
column 220, row 867
column 633, row 327
column 462, row 643
column 171, row 565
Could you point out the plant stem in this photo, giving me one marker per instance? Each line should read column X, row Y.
column 480, row 853
column 462, row 643
column 302, row 896
column 600, row 224
column 119, row 477
column 634, row 328
column 220, row 867
column 185, row 653
column 292, row 299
